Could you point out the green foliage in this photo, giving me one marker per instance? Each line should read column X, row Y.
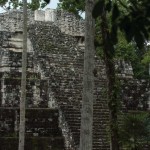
column 129, row 52
column 108, row 5
column 47, row 1
column 135, row 130
column 3, row 2
column 98, row 8
column 74, row 6
column 114, row 25
column 33, row 4
column 146, row 57
column 135, row 23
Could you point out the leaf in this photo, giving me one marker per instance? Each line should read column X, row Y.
column 77, row 1
column 145, row 32
column 126, row 25
column 115, row 12
column 139, row 39
column 114, row 36
column 43, row 4
column 34, row 5
column 109, row 5
column 98, row 9
column 141, row 23
column 96, row 43
column 3, row 2
column 47, row 1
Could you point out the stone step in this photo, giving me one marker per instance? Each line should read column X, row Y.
column 15, row 39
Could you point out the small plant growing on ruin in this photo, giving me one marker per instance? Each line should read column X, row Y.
column 135, row 131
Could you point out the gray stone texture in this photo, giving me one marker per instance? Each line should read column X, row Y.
column 55, row 73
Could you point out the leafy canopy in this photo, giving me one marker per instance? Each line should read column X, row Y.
column 33, row 4
column 135, row 23
column 75, row 6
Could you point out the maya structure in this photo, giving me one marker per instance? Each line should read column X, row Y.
column 54, row 83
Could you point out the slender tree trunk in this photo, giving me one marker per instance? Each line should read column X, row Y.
column 108, row 50
column 23, row 80
column 88, row 81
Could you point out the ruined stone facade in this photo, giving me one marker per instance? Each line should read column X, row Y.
column 54, row 79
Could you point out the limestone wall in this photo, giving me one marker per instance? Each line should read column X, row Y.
column 67, row 22
column 12, row 20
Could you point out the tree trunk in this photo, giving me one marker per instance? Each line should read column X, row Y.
column 88, row 80
column 108, row 50
column 23, row 80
